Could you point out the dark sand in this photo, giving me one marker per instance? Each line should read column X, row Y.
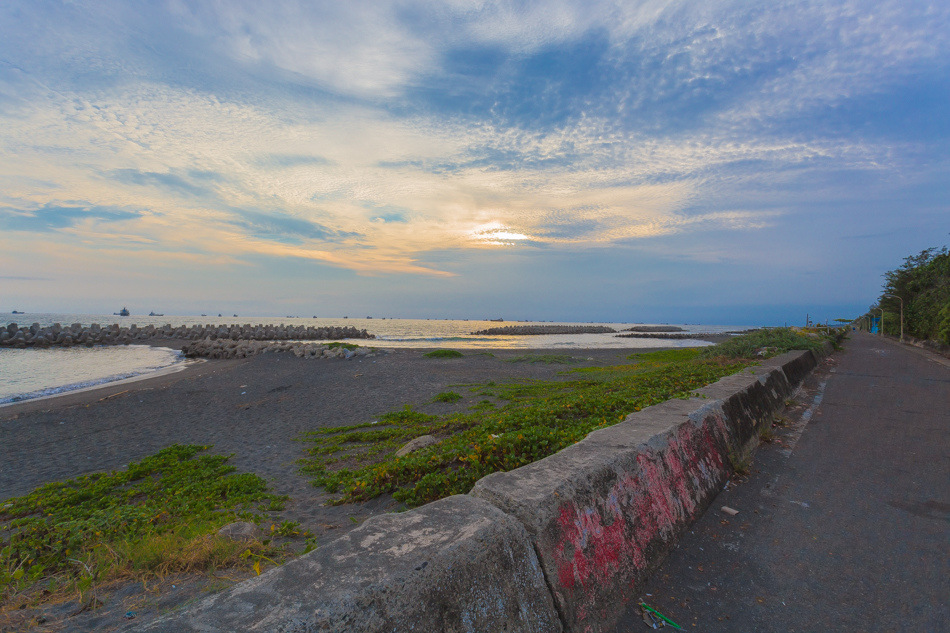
column 253, row 408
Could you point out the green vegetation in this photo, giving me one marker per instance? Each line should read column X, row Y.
column 447, row 396
column 770, row 342
column 158, row 516
column 669, row 355
column 547, row 359
column 538, row 419
column 923, row 284
column 343, row 345
column 443, row 353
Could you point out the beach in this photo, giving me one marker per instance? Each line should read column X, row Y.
column 255, row 409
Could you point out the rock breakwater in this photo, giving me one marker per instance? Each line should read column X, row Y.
column 226, row 349
column 76, row 334
column 653, row 328
column 530, row 330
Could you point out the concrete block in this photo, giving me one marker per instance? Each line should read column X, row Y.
column 457, row 565
column 796, row 365
column 604, row 512
column 749, row 400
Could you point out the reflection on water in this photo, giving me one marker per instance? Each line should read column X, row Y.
column 34, row 373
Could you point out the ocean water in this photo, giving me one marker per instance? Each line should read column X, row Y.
column 34, row 373
column 29, row 373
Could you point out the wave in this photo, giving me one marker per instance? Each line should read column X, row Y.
column 76, row 386
column 53, row 391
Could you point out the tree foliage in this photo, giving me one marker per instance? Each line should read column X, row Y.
column 923, row 283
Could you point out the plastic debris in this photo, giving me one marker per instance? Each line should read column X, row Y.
column 654, row 619
column 651, row 621
column 130, row 615
column 730, row 511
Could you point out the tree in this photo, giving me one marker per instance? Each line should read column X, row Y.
column 923, row 282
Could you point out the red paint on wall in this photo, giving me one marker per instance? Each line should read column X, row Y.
column 604, row 543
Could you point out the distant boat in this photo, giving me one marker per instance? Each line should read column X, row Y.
column 17, row 312
column 155, row 314
column 123, row 312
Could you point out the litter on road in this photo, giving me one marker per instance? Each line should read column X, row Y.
column 654, row 619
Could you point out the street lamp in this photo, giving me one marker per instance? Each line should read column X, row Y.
column 902, row 314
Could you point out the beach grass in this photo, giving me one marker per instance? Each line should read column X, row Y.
column 443, row 353
column 159, row 516
column 447, row 396
column 538, row 419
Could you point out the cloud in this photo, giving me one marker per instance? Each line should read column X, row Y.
column 170, row 182
column 284, row 228
column 53, row 218
column 283, row 161
column 367, row 137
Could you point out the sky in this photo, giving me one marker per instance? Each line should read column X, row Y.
column 687, row 162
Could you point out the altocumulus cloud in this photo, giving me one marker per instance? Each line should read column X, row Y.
column 365, row 135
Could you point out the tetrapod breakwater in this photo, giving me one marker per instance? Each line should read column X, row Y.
column 40, row 337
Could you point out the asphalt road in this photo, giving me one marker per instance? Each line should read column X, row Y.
column 844, row 521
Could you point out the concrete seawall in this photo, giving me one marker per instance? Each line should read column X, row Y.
column 560, row 544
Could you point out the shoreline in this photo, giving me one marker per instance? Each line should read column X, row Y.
column 179, row 366
column 187, row 364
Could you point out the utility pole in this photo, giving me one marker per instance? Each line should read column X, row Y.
column 902, row 314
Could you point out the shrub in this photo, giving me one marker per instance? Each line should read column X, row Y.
column 774, row 341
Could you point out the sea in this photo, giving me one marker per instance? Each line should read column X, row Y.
column 33, row 373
